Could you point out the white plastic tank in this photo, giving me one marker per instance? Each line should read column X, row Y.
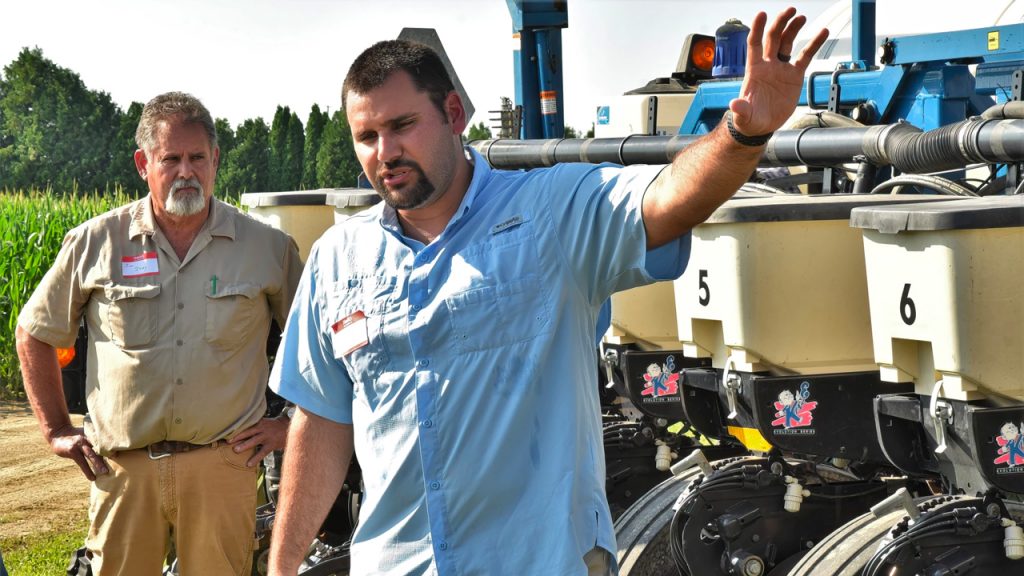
column 304, row 215
column 349, row 201
column 646, row 316
column 779, row 285
column 945, row 284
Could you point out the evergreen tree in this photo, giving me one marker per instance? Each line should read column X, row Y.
column 314, row 135
column 226, row 143
column 278, row 142
column 336, row 165
column 293, row 151
column 246, row 167
column 122, row 169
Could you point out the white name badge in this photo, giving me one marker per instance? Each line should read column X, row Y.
column 145, row 264
column 350, row 333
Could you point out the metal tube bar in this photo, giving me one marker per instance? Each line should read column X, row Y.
column 991, row 141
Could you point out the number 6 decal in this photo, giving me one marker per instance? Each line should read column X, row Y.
column 704, row 291
column 908, row 311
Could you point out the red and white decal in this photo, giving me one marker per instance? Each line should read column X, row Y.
column 145, row 264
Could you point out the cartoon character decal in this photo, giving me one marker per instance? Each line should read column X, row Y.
column 1011, row 445
column 793, row 410
column 661, row 380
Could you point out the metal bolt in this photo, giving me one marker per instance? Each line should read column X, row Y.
column 753, row 567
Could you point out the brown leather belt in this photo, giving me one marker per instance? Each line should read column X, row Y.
column 165, row 448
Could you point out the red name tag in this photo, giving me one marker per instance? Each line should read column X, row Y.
column 350, row 333
column 145, row 264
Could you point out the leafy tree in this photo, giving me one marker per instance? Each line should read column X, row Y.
column 246, row 167
column 590, row 133
column 314, row 135
column 570, row 132
column 55, row 131
column 479, row 132
column 225, row 137
column 336, row 165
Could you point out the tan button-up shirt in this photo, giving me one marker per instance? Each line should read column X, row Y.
column 177, row 348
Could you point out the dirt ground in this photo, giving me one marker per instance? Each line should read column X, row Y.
column 39, row 492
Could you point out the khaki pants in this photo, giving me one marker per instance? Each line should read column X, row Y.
column 204, row 499
column 600, row 562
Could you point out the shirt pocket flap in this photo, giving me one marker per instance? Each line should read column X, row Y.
column 224, row 290
column 115, row 292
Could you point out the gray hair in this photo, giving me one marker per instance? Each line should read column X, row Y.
column 164, row 107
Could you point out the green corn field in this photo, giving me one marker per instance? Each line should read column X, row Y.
column 33, row 225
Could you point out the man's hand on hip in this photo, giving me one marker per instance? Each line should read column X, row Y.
column 267, row 435
column 70, row 442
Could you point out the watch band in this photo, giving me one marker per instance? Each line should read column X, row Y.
column 743, row 138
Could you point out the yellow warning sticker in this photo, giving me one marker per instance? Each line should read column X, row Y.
column 993, row 40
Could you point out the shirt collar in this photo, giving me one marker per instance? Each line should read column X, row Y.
column 481, row 171
column 219, row 222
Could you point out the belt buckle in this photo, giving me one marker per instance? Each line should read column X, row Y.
column 158, row 455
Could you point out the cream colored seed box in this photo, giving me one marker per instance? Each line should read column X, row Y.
column 779, row 285
column 946, row 289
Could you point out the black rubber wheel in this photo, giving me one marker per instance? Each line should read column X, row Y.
column 846, row 551
column 642, row 532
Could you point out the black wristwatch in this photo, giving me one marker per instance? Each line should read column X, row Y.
column 743, row 138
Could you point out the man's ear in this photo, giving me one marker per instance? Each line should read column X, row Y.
column 455, row 112
column 141, row 163
column 216, row 158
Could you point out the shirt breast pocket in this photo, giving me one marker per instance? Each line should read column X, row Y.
column 132, row 314
column 501, row 314
column 232, row 313
column 354, row 318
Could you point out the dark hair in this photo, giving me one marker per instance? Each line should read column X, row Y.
column 171, row 105
column 378, row 62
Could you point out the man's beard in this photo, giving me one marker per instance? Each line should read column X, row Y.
column 185, row 203
column 414, row 195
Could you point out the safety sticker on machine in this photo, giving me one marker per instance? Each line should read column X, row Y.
column 548, row 102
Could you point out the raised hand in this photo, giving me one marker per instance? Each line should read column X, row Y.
column 773, row 79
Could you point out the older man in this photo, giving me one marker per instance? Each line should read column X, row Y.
column 178, row 291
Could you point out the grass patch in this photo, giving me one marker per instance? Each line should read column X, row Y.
column 43, row 554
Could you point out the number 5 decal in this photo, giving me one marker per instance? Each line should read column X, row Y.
column 704, row 291
column 908, row 311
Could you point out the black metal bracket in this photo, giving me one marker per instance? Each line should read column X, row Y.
column 653, row 380
column 652, row 115
column 984, row 447
column 828, row 415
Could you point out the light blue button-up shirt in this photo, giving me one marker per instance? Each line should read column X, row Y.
column 474, row 401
